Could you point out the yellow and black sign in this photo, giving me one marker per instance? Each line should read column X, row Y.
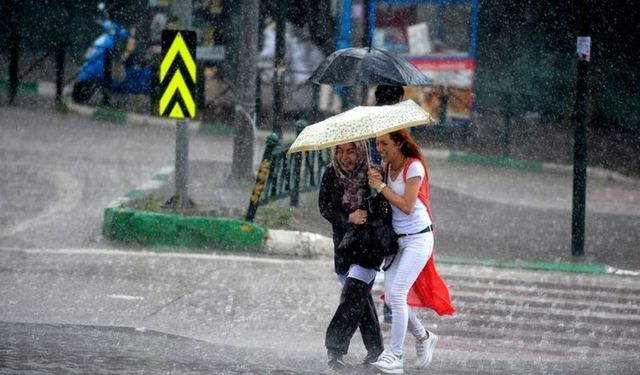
column 178, row 74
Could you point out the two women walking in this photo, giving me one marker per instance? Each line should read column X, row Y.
column 411, row 278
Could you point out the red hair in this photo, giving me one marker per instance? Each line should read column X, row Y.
column 408, row 146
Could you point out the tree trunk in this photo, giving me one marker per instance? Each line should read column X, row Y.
column 244, row 139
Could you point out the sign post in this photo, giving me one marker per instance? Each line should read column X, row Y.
column 178, row 74
column 583, row 55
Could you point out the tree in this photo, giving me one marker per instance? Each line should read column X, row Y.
column 243, row 141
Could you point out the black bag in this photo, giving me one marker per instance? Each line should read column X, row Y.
column 370, row 243
column 381, row 231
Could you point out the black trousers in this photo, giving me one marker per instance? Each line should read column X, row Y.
column 356, row 310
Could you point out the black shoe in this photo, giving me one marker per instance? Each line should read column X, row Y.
column 370, row 358
column 335, row 362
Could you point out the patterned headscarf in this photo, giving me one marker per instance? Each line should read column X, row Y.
column 355, row 183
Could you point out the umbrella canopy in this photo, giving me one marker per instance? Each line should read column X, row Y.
column 369, row 66
column 360, row 123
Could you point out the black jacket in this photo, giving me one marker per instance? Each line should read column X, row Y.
column 330, row 204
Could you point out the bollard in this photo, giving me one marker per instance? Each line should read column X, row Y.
column 14, row 57
column 506, row 134
column 59, row 57
column 444, row 103
column 262, row 177
column 297, row 167
column 106, row 82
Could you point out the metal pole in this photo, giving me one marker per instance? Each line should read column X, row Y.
column 245, row 112
column 60, row 54
column 444, row 103
column 366, row 42
column 506, row 140
column 182, row 10
column 315, row 104
column 296, row 169
column 182, row 165
column 258, row 97
column 14, row 51
column 279, row 65
column 580, row 135
column 106, row 85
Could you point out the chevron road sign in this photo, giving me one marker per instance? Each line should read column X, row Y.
column 178, row 74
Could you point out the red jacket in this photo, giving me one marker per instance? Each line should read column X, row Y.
column 429, row 290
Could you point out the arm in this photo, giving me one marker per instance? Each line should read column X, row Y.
column 330, row 208
column 326, row 204
column 406, row 202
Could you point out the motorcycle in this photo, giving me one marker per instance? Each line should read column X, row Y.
column 137, row 75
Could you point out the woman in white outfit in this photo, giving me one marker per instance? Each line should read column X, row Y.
column 406, row 188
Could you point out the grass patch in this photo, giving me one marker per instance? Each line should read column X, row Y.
column 496, row 161
column 273, row 217
column 61, row 106
column 186, row 232
column 149, row 203
column 216, row 128
column 109, row 114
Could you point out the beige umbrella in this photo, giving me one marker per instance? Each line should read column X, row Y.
column 360, row 123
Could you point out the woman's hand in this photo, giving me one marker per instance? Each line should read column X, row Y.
column 375, row 178
column 358, row 217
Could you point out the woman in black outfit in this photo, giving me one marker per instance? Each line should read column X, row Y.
column 343, row 193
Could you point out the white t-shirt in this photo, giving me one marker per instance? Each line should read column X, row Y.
column 419, row 218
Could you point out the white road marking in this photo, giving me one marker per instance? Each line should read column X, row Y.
column 124, row 296
column 259, row 258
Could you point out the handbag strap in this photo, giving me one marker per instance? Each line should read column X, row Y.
column 387, row 265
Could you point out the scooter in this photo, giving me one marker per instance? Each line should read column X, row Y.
column 136, row 79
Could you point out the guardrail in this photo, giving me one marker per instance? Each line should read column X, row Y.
column 281, row 174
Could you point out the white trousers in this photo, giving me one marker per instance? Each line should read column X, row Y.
column 413, row 255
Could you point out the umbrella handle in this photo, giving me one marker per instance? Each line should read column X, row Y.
column 368, row 150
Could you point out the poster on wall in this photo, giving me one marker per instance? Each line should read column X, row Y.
column 439, row 38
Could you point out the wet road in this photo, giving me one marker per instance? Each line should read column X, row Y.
column 59, row 171
column 90, row 311
column 101, row 310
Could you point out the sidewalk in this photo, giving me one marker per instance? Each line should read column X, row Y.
column 486, row 179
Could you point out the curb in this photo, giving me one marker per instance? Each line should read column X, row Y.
column 590, row 268
column 537, row 265
column 28, row 86
column 301, row 244
column 163, row 230
column 121, row 117
column 197, row 232
column 159, row 229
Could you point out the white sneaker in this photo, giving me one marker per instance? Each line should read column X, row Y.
column 424, row 350
column 389, row 363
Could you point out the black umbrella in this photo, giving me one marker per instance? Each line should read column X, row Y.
column 369, row 66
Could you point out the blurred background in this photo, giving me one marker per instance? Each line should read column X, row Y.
column 504, row 73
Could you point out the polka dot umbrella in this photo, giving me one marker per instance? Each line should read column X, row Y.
column 360, row 123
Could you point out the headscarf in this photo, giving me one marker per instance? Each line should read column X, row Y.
column 354, row 182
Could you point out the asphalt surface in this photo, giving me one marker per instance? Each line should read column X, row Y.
column 108, row 311
column 58, row 171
